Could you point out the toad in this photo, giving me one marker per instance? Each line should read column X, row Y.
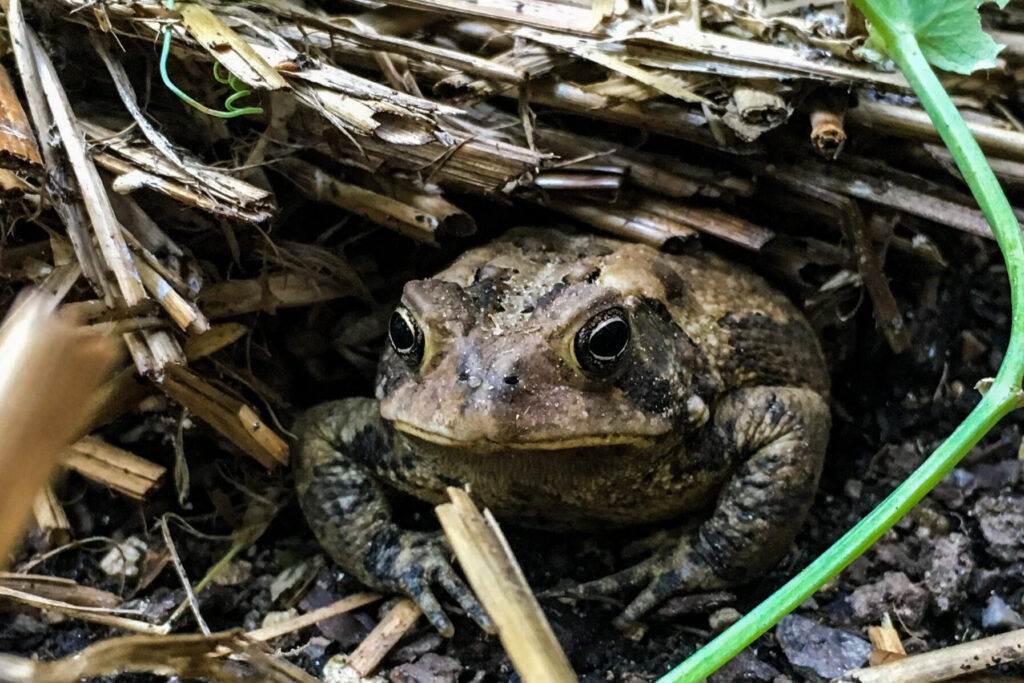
column 578, row 382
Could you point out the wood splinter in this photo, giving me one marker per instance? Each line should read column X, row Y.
column 887, row 643
column 50, row 517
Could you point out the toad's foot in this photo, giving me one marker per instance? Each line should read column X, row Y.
column 414, row 563
column 659, row 577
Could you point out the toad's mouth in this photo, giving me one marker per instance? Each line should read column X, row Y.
column 525, row 444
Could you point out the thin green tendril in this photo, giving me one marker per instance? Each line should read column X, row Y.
column 230, row 110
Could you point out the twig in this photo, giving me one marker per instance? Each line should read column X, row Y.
column 99, row 615
column 60, row 589
column 627, row 222
column 300, row 622
column 183, row 577
column 944, row 664
column 185, row 656
column 384, row 636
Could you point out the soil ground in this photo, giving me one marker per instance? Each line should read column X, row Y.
column 951, row 571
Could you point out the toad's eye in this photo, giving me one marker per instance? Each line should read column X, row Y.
column 406, row 336
column 602, row 341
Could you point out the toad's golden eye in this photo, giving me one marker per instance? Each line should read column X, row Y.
column 406, row 336
column 602, row 341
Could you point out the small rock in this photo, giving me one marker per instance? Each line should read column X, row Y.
column 723, row 619
column 930, row 522
column 997, row 476
column 998, row 616
column 744, row 667
column 294, row 577
column 275, row 618
column 949, row 571
column 235, row 574
column 418, row 647
column 430, row 668
column 337, row 670
column 122, row 561
column 1001, row 519
column 893, row 593
column 820, row 652
column 854, row 489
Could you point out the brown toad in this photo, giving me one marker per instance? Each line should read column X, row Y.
column 578, row 382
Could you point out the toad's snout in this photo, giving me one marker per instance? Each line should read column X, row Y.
column 500, row 377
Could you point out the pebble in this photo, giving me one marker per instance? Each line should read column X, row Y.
column 819, row 652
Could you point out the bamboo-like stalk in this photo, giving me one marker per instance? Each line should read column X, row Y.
column 499, row 583
column 97, row 205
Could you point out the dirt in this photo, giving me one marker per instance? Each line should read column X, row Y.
column 949, row 572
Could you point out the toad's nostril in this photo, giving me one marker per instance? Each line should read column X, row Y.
column 511, row 380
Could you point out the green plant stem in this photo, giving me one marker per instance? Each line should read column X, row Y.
column 1003, row 395
column 230, row 110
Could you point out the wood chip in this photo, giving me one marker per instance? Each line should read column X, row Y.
column 885, row 638
column 114, row 467
column 231, row 417
column 50, row 517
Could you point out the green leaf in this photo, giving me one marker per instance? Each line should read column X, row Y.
column 948, row 31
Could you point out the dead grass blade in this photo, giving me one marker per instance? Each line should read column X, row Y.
column 59, row 589
column 185, row 656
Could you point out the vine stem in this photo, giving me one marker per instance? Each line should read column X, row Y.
column 1003, row 395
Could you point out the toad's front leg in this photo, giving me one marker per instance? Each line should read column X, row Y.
column 339, row 444
column 778, row 436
